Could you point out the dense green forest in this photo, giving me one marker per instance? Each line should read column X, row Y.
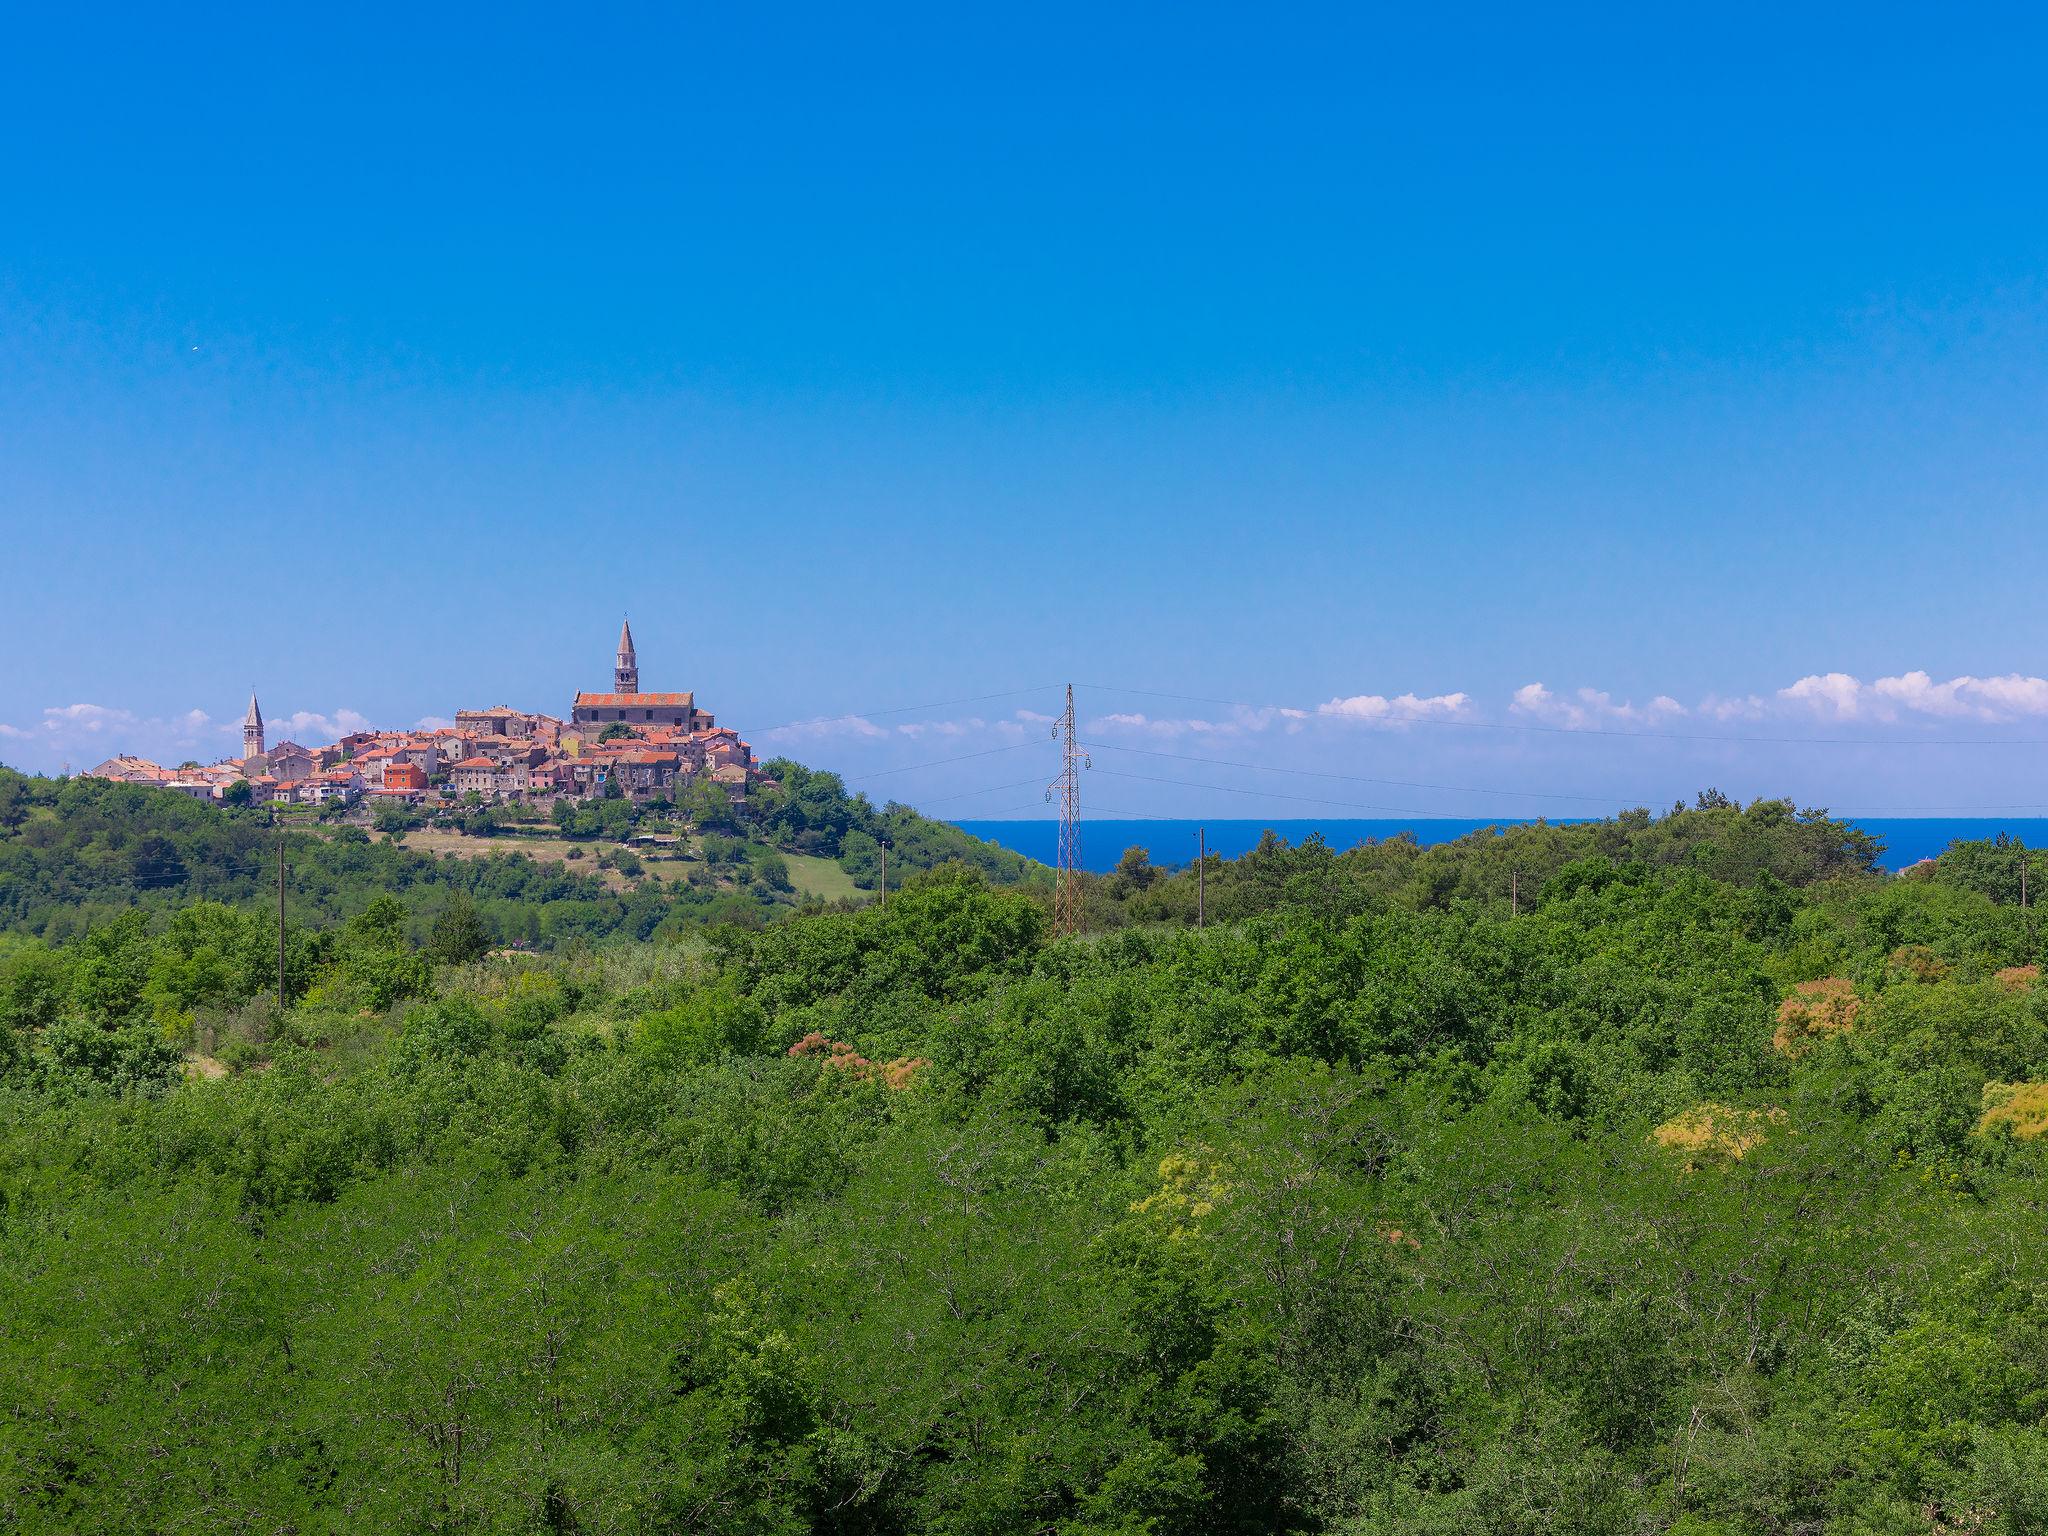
column 76, row 852
column 1668, row 1174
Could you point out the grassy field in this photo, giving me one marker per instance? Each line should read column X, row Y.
column 823, row 878
column 549, row 850
column 811, row 876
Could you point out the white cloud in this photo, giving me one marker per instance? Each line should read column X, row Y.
column 1141, row 724
column 311, row 728
column 1589, row 707
column 94, row 731
column 948, row 728
column 1838, row 696
column 1966, row 697
column 1401, row 709
column 1832, row 695
column 90, row 719
column 825, row 730
column 424, row 723
column 1745, row 707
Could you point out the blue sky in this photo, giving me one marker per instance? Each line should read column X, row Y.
column 874, row 357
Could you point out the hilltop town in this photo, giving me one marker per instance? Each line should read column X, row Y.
column 622, row 742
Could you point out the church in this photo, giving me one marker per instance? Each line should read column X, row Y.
column 627, row 705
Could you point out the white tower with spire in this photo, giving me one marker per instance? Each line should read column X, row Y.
column 252, row 729
column 626, row 675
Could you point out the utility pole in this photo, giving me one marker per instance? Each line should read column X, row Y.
column 1201, row 876
column 885, row 877
column 1514, row 893
column 1066, row 891
column 280, row 924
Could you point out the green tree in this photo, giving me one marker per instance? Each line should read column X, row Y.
column 460, row 935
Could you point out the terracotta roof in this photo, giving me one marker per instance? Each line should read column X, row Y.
column 476, row 762
column 635, row 700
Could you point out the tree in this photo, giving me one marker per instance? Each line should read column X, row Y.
column 618, row 730
column 708, row 807
column 459, row 935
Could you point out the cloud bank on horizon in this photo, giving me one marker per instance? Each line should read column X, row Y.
column 70, row 732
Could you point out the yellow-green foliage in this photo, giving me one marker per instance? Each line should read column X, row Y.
column 1716, row 1133
column 2023, row 1106
column 1191, row 1187
column 1813, row 1009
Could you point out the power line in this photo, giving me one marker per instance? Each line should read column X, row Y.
column 1403, row 810
column 1353, row 778
column 1594, row 730
column 1269, row 794
column 883, row 773
column 879, row 714
column 966, row 794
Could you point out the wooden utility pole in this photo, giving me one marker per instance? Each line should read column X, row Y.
column 2026, row 913
column 885, row 877
column 1201, row 876
column 280, row 924
column 1514, row 893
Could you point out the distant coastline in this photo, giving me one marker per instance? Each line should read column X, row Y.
column 1906, row 839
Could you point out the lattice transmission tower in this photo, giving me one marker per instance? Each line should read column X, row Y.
column 1066, row 891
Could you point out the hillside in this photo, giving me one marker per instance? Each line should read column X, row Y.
column 77, row 852
column 1692, row 1188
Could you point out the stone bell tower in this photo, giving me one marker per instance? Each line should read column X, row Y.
column 626, row 675
column 252, row 729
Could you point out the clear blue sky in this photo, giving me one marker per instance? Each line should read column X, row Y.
column 381, row 357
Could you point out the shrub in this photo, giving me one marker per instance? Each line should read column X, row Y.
column 1815, row 1009
column 1716, row 1133
column 2022, row 1106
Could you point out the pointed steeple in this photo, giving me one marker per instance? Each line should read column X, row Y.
column 626, row 675
column 252, row 729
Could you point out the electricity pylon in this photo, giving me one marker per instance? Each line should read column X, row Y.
column 1066, row 891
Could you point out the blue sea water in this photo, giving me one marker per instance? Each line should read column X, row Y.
column 1907, row 840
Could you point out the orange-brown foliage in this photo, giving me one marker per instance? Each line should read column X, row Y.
column 840, row 1056
column 1815, row 1008
column 1916, row 962
column 2017, row 978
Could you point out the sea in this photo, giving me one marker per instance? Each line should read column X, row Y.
column 1906, row 840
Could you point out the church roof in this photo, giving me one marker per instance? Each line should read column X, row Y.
column 625, row 638
column 255, row 715
column 635, row 700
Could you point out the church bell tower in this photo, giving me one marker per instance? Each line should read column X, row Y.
column 252, row 729
column 626, row 675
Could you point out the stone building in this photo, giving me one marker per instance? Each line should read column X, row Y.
column 627, row 705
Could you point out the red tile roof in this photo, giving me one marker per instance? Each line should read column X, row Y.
column 635, row 700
